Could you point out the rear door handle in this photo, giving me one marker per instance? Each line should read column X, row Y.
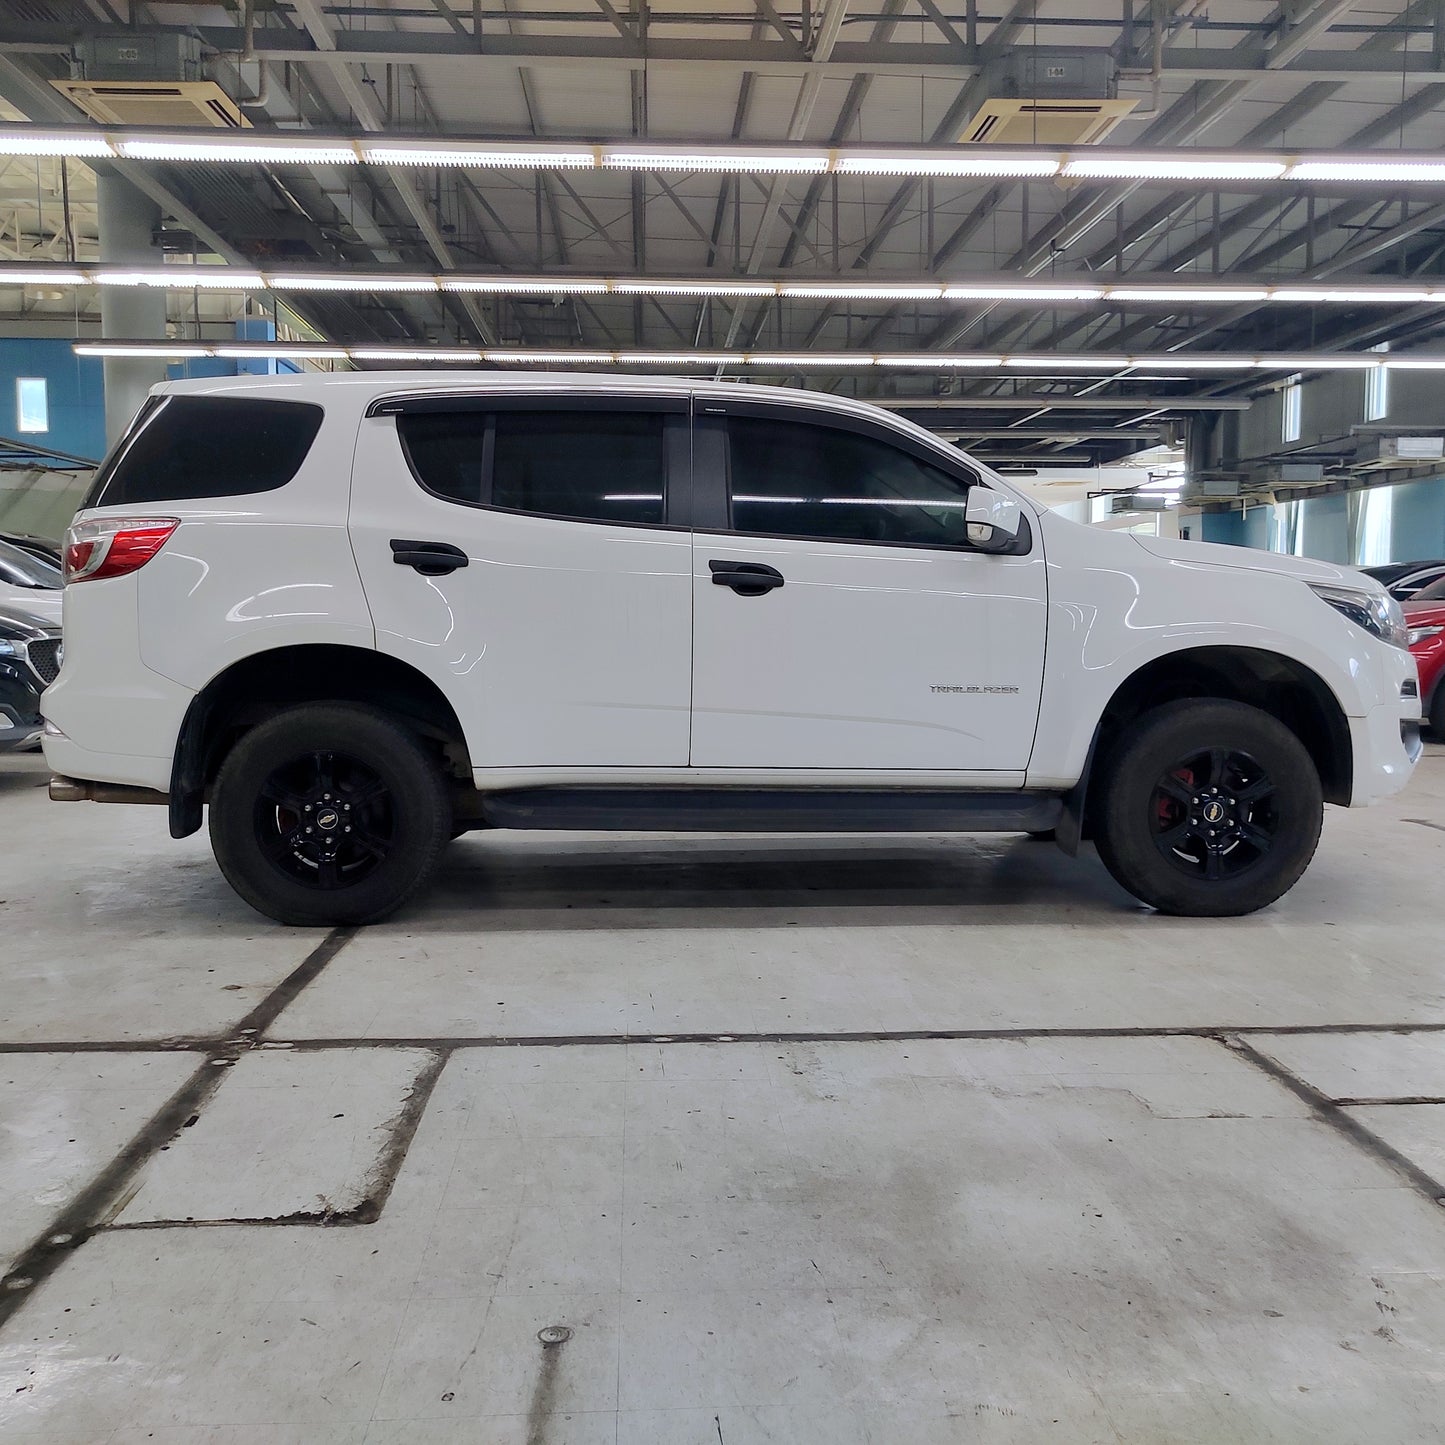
column 431, row 559
column 747, row 579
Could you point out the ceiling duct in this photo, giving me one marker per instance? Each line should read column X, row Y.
column 1122, row 503
column 147, row 80
column 1386, row 453
column 1044, row 97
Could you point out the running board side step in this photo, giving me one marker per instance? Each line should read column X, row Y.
column 767, row 810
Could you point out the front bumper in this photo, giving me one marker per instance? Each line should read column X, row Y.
column 1386, row 745
column 16, row 732
column 19, row 706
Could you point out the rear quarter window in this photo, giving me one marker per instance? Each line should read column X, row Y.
column 194, row 447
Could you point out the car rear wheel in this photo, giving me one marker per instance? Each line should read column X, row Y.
column 328, row 814
column 1437, row 713
column 1208, row 808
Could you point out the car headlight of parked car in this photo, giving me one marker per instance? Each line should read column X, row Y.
column 1374, row 610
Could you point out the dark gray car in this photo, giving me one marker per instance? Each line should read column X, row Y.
column 29, row 662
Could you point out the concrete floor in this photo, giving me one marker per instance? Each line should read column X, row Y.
column 1164, row 1181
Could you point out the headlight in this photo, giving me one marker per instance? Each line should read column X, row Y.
column 10, row 649
column 1419, row 634
column 1377, row 612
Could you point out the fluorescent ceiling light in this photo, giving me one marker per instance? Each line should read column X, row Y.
column 1170, row 361
column 808, row 358
column 39, row 276
column 927, row 360
column 1096, row 361
column 693, row 288
column 857, row 291
column 169, row 349
column 756, row 162
column 487, row 155
column 225, row 277
column 523, row 285
column 287, row 350
column 1367, row 168
column 1023, row 293
column 1125, row 167
column 1161, row 164
column 552, row 358
column 1184, row 293
column 1355, row 295
column 359, row 281
column 27, row 142
column 267, row 150
column 679, row 358
column 436, row 353
column 183, row 277
column 1330, row 361
column 946, row 164
column 1192, row 361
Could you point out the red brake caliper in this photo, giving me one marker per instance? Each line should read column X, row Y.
column 1170, row 807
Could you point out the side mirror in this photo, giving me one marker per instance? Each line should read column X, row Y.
column 995, row 522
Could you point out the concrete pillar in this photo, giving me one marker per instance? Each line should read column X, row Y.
column 129, row 220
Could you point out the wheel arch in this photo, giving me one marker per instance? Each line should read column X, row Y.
column 1277, row 684
column 259, row 685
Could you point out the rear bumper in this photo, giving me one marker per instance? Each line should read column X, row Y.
column 72, row 761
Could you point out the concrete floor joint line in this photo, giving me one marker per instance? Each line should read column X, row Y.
column 87, row 1213
column 1332, row 1112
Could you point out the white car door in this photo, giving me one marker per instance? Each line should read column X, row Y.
column 519, row 553
column 841, row 620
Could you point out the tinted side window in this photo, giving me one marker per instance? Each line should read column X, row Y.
column 191, row 447
column 448, row 451
column 799, row 480
column 605, row 466
column 596, row 466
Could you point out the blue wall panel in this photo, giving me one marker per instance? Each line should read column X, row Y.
column 1417, row 521
column 75, row 389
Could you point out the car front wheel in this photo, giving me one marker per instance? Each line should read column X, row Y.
column 328, row 813
column 1208, row 808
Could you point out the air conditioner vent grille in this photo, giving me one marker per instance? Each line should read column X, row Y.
column 154, row 102
column 1045, row 122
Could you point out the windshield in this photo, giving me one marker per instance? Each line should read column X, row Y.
column 1435, row 592
column 21, row 569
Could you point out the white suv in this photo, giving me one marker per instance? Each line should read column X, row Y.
column 359, row 614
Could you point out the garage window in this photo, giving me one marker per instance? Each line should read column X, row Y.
column 593, row 466
column 794, row 479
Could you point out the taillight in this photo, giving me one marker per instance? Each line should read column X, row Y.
column 113, row 546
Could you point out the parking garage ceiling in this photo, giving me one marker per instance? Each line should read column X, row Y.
column 1221, row 76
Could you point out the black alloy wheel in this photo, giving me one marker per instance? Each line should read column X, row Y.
column 325, row 819
column 1215, row 814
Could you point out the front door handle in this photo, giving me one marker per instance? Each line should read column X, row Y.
column 431, row 559
column 747, row 579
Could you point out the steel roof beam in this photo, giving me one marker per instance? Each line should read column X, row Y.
column 356, row 47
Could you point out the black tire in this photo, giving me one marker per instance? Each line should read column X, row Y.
column 1166, row 777
column 388, row 798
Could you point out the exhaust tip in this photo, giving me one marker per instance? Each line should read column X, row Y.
column 68, row 790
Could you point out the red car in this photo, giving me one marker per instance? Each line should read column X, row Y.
column 1425, row 615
